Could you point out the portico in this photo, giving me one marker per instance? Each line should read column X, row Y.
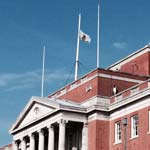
column 62, row 136
column 53, row 131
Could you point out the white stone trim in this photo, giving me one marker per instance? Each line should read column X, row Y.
column 117, row 143
column 135, row 90
column 60, row 106
column 118, row 97
column 132, row 108
column 66, row 116
column 98, row 116
column 33, row 100
column 37, row 127
column 103, row 101
column 119, row 78
column 74, row 117
column 132, row 98
column 35, row 120
column 134, row 137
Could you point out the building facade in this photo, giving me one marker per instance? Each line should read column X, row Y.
column 107, row 109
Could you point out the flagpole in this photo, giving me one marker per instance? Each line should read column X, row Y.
column 98, row 29
column 77, row 51
column 42, row 88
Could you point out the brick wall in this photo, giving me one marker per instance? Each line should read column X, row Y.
column 138, row 143
column 98, row 135
column 139, row 65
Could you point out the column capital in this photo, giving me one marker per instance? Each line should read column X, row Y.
column 85, row 124
column 22, row 139
column 31, row 135
column 40, row 131
column 50, row 126
column 62, row 121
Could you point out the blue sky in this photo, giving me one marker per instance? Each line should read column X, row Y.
column 27, row 25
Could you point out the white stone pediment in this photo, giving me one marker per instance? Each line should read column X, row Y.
column 36, row 109
column 36, row 112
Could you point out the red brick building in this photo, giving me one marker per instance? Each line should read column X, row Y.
column 107, row 109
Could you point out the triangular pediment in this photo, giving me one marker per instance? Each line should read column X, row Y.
column 36, row 109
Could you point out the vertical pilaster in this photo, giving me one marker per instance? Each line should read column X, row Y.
column 85, row 136
column 41, row 140
column 50, row 137
column 23, row 144
column 62, row 130
column 32, row 142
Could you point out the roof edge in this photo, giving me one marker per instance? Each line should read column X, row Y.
column 129, row 56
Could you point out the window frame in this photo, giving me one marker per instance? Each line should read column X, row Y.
column 118, row 132
column 134, row 126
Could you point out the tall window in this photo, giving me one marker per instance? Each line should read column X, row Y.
column 118, row 132
column 134, row 126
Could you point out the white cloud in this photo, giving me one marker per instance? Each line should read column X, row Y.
column 24, row 80
column 120, row 45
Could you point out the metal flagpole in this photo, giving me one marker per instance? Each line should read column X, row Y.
column 42, row 89
column 77, row 52
column 98, row 29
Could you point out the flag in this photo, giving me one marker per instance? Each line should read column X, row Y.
column 84, row 37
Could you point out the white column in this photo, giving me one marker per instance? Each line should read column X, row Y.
column 50, row 137
column 32, row 142
column 85, row 136
column 41, row 140
column 23, row 144
column 62, row 130
column 15, row 146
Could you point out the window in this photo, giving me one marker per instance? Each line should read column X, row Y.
column 118, row 132
column 134, row 126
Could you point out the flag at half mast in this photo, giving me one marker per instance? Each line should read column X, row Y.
column 84, row 37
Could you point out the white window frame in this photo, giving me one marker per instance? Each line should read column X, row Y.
column 118, row 132
column 134, row 126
